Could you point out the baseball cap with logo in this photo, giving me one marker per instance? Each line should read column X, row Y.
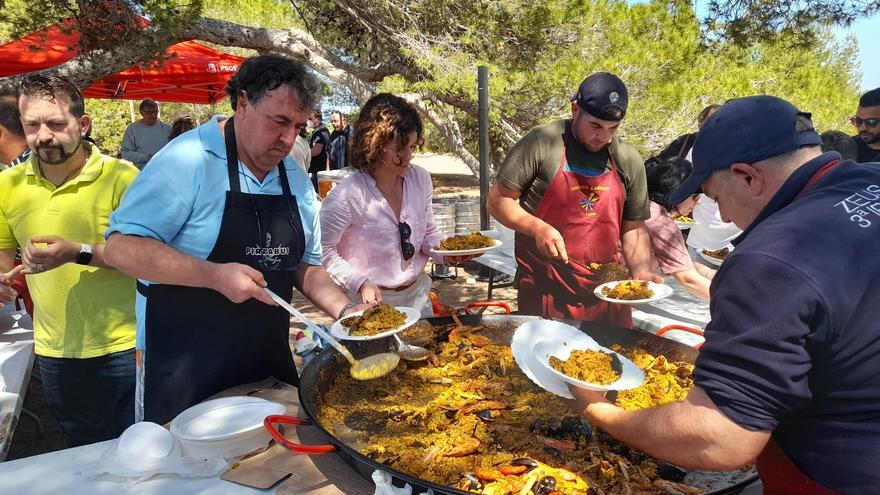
column 603, row 95
column 746, row 130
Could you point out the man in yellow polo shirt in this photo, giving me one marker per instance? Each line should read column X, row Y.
column 55, row 207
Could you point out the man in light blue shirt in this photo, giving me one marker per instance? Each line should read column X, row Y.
column 219, row 215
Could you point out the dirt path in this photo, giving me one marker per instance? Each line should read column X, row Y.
column 451, row 178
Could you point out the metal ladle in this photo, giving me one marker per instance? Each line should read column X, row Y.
column 375, row 366
column 409, row 352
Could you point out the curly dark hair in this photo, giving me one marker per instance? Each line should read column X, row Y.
column 383, row 119
column 664, row 176
column 50, row 86
column 267, row 72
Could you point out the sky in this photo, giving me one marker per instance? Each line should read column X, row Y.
column 867, row 32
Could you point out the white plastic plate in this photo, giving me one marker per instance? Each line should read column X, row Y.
column 466, row 252
column 341, row 333
column 661, row 291
column 631, row 375
column 224, row 418
column 528, row 335
column 685, row 225
column 711, row 259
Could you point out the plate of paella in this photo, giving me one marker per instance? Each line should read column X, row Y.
column 375, row 323
column 632, row 291
column 467, row 244
column 586, row 366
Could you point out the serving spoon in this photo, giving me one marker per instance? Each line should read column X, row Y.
column 375, row 366
column 410, row 352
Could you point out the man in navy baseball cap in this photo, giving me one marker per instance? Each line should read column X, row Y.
column 572, row 190
column 603, row 95
column 746, row 130
column 786, row 375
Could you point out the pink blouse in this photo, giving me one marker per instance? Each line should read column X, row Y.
column 668, row 249
column 360, row 237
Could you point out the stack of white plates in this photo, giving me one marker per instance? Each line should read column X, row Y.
column 225, row 427
column 534, row 342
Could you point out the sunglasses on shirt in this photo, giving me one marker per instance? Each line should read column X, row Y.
column 405, row 246
column 858, row 121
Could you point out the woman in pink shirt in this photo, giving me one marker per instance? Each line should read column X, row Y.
column 669, row 251
column 377, row 228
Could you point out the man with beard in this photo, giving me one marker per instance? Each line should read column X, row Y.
column 867, row 122
column 339, row 139
column 55, row 207
column 571, row 190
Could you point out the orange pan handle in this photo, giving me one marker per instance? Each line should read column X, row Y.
column 268, row 423
column 487, row 304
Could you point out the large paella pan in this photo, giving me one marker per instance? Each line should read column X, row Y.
column 469, row 421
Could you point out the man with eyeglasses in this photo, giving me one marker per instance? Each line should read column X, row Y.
column 867, row 123
column 145, row 137
column 221, row 213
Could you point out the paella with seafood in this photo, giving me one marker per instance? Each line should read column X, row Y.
column 374, row 321
column 474, row 240
column 468, row 418
column 588, row 366
column 629, row 290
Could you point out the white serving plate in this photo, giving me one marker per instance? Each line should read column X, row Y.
column 528, row 335
column 711, row 259
column 225, row 427
column 631, row 376
column 467, row 252
column 341, row 333
column 661, row 291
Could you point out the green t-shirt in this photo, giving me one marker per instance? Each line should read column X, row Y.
column 532, row 163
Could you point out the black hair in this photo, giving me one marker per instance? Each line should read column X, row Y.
column 870, row 99
column 317, row 114
column 267, row 72
column 664, row 176
column 840, row 142
column 10, row 118
column 707, row 112
column 50, row 86
column 147, row 103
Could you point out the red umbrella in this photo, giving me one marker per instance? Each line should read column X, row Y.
column 191, row 72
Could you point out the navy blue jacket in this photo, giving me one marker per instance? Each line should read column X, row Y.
column 794, row 342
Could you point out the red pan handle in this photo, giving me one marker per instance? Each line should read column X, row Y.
column 487, row 304
column 295, row 447
column 694, row 331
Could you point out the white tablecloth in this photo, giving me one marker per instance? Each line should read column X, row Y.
column 16, row 361
column 56, row 473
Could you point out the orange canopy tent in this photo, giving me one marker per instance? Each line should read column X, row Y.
column 191, row 72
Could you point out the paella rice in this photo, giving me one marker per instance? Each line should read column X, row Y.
column 474, row 240
column 374, row 321
column 629, row 290
column 609, row 272
column 587, row 366
column 468, row 418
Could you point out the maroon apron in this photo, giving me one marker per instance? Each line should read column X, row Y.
column 587, row 212
column 779, row 474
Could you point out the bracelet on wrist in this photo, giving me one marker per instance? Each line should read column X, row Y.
column 344, row 309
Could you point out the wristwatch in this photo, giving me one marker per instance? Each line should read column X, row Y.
column 85, row 255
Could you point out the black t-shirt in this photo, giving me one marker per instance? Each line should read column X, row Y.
column 339, row 148
column 319, row 136
column 864, row 153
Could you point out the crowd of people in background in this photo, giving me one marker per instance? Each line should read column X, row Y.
column 786, row 373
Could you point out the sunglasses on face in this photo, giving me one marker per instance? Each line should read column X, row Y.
column 405, row 246
column 857, row 121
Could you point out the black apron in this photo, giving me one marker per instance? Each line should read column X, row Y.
column 198, row 342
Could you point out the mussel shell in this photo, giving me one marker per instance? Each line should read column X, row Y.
column 485, row 415
column 544, row 486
